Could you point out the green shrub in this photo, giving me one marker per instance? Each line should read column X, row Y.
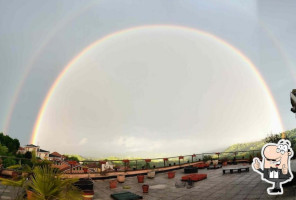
column 9, row 162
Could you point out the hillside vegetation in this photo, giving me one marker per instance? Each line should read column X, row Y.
column 251, row 146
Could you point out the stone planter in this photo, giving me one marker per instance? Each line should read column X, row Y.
column 121, row 178
column 151, row 174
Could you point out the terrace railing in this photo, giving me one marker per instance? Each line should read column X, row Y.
column 154, row 163
column 139, row 164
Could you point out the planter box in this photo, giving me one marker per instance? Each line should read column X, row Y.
column 194, row 177
column 171, row 174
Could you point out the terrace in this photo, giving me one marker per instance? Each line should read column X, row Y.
column 245, row 185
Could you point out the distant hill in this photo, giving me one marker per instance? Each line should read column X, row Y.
column 245, row 146
column 249, row 146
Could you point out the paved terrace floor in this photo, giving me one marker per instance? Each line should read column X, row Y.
column 247, row 185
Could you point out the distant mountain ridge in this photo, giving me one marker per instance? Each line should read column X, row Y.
column 249, row 146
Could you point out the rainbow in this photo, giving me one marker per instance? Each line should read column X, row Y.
column 50, row 35
column 85, row 50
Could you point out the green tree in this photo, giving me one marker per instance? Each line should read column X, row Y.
column 3, row 150
column 12, row 144
column 206, row 158
column 28, row 155
column 8, row 162
column 273, row 138
column 73, row 158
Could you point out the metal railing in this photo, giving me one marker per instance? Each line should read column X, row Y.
column 96, row 166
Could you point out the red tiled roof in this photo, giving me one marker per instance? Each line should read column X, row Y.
column 72, row 162
column 56, row 154
column 21, row 148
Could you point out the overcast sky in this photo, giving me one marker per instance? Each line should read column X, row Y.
column 38, row 39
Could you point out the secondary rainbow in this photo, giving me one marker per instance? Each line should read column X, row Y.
column 76, row 58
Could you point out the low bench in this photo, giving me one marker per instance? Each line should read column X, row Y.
column 190, row 169
column 239, row 170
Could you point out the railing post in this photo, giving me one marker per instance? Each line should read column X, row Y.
column 136, row 164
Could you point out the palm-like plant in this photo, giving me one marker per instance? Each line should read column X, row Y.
column 47, row 184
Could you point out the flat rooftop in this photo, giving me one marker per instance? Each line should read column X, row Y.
column 245, row 185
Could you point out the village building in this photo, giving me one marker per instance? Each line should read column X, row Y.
column 43, row 154
column 55, row 156
column 31, row 148
column 21, row 150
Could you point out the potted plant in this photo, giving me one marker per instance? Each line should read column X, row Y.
column 88, row 194
column 140, row 178
column 59, row 187
column 145, row 188
column 30, row 194
column 113, row 184
column 224, row 161
column 40, row 177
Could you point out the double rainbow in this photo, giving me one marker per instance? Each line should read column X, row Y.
column 98, row 42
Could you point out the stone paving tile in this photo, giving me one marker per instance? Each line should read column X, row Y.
column 247, row 185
